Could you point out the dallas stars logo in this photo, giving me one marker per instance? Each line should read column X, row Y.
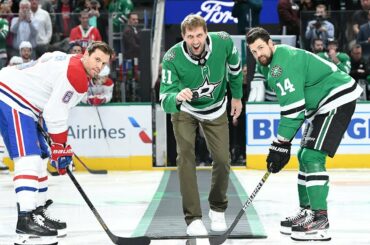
column 276, row 71
column 207, row 88
column 170, row 55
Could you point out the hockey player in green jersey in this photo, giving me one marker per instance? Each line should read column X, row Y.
column 313, row 89
column 193, row 89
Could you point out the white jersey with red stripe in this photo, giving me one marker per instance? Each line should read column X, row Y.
column 49, row 86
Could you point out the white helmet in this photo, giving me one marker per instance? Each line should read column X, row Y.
column 25, row 44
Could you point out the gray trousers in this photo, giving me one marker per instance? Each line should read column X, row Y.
column 216, row 133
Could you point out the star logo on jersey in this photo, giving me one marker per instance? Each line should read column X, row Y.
column 276, row 71
column 170, row 55
column 223, row 35
column 206, row 89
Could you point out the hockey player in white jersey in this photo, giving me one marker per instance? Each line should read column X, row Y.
column 42, row 92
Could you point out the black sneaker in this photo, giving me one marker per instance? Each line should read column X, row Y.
column 53, row 223
column 286, row 225
column 314, row 228
column 32, row 230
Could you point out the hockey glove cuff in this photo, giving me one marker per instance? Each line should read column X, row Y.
column 278, row 157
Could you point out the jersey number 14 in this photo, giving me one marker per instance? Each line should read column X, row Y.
column 287, row 86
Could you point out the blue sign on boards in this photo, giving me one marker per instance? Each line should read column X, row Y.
column 214, row 11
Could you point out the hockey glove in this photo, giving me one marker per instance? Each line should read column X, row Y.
column 61, row 157
column 95, row 101
column 278, row 157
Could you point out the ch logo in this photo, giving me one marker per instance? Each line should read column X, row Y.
column 143, row 135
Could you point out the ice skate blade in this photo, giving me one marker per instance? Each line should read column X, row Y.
column 311, row 236
column 62, row 233
column 286, row 230
column 28, row 239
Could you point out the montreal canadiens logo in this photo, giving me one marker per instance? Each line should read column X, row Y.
column 67, row 96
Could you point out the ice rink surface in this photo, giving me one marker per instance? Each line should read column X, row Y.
column 121, row 198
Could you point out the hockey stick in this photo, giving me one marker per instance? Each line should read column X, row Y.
column 91, row 171
column 217, row 240
column 142, row 240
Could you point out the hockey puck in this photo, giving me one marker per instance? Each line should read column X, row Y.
column 195, row 96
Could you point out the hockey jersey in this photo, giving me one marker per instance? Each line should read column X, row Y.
column 49, row 86
column 103, row 91
column 305, row 85
column 84, row 36
column 209, row 80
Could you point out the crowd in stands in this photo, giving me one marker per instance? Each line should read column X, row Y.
column 337, row 31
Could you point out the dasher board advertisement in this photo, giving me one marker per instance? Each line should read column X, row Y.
column 111, row 131
column 262, row 122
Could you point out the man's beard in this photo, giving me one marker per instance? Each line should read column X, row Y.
column 267, row 61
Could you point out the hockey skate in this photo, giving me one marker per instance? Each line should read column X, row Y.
column 286, row 225
column 314, row 228
column 3, row 168
column 55, row 224
column 32, row 230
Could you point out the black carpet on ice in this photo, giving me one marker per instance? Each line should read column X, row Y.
column 164, row 219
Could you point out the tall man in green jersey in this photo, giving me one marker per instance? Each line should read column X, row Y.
column 193, row 89
column 313, row 89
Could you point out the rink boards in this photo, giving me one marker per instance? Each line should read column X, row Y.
column 119, row 136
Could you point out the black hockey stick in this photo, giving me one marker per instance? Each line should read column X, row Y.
column 115, row 239
column 91, row 171
column 217, row 240
column 142, row 240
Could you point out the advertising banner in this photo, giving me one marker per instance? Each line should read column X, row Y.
column 262, row 122
column 214, row 11
column 111, row 131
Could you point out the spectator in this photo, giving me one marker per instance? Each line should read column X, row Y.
column 320, row 27
column 289, row 17
column 75, row 48
column 100, row 91
column 84, row 33
column 25, row 51
column 6, row 13
column 247, row 13
column 119, row 10
column 317, row 46
column 363, row 36
column 4, row 30
column 23, row 27
column 45, row 30
column 15, row 60
column 307, row 5
column 131, row 41
column 341, row 60
column 358, row 63
column 64, row 21
column 360, row 17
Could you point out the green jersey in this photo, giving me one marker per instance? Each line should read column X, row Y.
column 344, row 60
column 4, row 29
column 207, row 76
column 305, row 84
column 120, row 10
